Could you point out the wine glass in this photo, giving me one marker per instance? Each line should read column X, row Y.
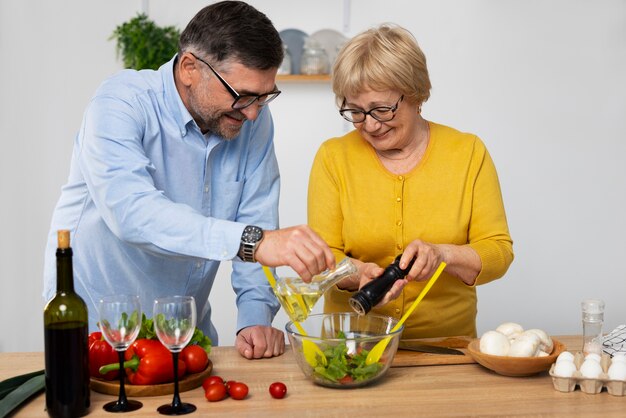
column 120, row 321
column 174, row 322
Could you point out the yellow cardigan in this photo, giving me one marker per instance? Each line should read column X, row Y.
column 452, row 197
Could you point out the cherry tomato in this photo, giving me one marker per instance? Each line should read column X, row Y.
column 195, row 358
column 215, row 392
column 230, row 382
column 346, row 380
column 211, row 380
column 237, row 390
column 278, row 390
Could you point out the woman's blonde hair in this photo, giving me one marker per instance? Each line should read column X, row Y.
column 383, row 58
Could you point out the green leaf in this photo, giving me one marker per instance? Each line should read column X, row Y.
column 23, row 392
column 202, row 340
column 8, row 385
column 144, row 45
column 341, row 364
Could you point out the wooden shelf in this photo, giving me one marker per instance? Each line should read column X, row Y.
column 301, row 78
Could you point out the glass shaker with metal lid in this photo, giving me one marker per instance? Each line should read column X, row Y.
column 314, row 58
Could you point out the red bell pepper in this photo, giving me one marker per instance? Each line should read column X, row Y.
column 148, row 362
column 100, row 354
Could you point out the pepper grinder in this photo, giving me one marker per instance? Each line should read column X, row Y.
column 593, row 318
column 373, row 292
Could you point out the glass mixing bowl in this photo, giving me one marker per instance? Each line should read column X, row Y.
column 344, row 340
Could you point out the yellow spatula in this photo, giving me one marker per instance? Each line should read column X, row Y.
column 377, row 351
column 312, row 353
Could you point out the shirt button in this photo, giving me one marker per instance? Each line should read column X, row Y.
column 198, row 264
column 206, row 189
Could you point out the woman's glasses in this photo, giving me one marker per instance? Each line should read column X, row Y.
column 380, row 113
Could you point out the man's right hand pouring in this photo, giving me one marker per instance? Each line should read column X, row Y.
column 298, row 247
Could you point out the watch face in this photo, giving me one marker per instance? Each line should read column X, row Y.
column 252, row 234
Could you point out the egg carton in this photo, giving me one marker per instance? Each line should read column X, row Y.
column 588, row 385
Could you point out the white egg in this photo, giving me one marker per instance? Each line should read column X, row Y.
column 619, row 358
column 494, row 343
column 591, row 369
column 510, row 329
column 593, row 356
column 565, row 368
column 565, row 356
column 617, row 371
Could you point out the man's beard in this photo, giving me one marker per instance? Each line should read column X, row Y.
column 209, row 117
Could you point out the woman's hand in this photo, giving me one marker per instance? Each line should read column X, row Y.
column 366, row 273
column 427, row 258
column 462, row 261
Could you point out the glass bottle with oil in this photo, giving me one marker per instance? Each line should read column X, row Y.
column 298, row 297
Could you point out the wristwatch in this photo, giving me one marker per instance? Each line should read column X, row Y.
column 250, row 240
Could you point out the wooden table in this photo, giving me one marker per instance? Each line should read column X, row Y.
column 430, row 391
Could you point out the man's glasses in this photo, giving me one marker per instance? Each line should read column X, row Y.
column 380, row 113
column 241, row 100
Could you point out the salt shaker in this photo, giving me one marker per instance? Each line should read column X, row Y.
column 314, row 58
column 593, row 318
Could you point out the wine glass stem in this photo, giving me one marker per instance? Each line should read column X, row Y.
column 122, row 398
column 176, row 403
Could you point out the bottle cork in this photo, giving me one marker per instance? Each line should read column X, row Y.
column 63, row 237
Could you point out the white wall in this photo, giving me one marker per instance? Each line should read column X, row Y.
column 542, row 82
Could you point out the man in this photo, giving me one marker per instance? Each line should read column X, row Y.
column 174, row 171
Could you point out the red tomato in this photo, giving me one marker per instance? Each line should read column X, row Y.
column 211, row 380
column 195, row 358
column 278, row 390
column 230, row 382
column 215, row 392
column 346, row 379
column 237, row 390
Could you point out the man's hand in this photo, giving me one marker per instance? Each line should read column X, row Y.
column 260, row 341
column 298, row 247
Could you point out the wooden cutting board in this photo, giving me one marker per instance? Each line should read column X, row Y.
column 112, row 387
column 406, row 358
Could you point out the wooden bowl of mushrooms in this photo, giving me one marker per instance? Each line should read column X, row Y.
column 510, row 350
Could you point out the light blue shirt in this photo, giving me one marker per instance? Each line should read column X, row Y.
column 153, row 205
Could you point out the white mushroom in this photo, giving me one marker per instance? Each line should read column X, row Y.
column 510, row 329
column 545, row 342
column 526, row 345
column 494, row 343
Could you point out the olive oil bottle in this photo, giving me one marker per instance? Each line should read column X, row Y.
column 65, row 342
column 298, row 297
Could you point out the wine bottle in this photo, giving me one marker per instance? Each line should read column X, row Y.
column 373, row 292
column 65, row 341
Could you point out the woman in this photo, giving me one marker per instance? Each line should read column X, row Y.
column 401, row 184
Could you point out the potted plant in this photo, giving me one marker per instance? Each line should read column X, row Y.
column 143, row 44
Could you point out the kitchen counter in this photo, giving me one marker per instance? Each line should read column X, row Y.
column 432, row 391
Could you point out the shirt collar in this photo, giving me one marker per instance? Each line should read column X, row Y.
column 172, row 97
